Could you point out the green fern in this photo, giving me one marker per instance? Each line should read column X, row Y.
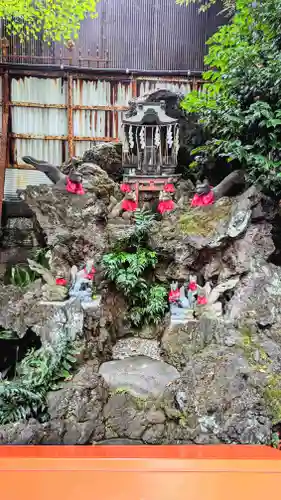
column 37, row 373
column 125, row 268
column 129, row 270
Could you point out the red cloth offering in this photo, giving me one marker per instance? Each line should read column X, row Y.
column 201, row 301
column 203, row 199
column 125, row 188
column 192, row 286
column 74, row 187
column 91, row 274
column 169, row 188
column 129, row 205
column 165, row 206
column 61, row 282
column 174, row 295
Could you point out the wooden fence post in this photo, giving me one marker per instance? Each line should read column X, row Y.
column 4, row 136
column 70, row 115
column 134, row 86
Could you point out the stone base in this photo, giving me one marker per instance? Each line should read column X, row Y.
column 67, row 315
column 181, row 316
column 91, row 305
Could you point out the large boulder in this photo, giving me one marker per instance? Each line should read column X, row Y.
column 181, row 342
column 139, row 375
column 75, row 412
column 73, row 226
column 218, row 241
column 26, row 310
column 258, row 297
column 108, row 156
column 228, row 394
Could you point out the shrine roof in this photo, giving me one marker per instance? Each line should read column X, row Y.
column 150, row 114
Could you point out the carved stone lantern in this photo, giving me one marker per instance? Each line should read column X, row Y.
column 150, row 148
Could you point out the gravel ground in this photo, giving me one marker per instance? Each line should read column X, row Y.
column 136, row 347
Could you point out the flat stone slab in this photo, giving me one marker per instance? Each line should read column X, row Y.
column 134, row 346
column 139, row 375
column 91, row 305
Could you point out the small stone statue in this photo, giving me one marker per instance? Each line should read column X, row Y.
column 72, row 182
column 204, row 195
column 125, row 207
column 51, row 292
column 208, row 298
column 82, row 282
column 192, row 289
column 207, row 195
column 180, row 307
column 166, row 203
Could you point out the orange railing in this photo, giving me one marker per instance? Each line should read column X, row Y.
column 140, row 473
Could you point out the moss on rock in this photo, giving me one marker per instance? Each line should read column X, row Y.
column 272, row 397
column 204, row 221
column 254, row 353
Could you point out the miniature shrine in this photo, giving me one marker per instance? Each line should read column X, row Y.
column 150, row 152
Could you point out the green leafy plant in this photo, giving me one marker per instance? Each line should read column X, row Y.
column 143, row 222
column 204, row 5
column 8, row 335
column 22, row 277
column 51, row 19
column 37, row 373
column 136, row 233
column 153, row 308
column 130, row 269
column 240, row 107
column 275, row 440
column 126, row 269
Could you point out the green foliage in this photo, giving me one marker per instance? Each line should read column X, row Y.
column 204, row 5
column 275, row 441
column 8, row 335
column 125, row 269
column 37, row 373
column 129, row 270
column 22, row 277
column 143, row 221
column 240, row 106
column 56, row 20
column 147, row 302
column 153, row 307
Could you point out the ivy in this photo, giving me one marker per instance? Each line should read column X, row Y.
column 240, row 108
column 56, row 20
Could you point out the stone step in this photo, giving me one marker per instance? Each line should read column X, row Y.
column 139, row 375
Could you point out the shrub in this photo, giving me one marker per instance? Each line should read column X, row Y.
column 240, row 108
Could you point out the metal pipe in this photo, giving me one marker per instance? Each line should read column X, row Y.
column 75, row 69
